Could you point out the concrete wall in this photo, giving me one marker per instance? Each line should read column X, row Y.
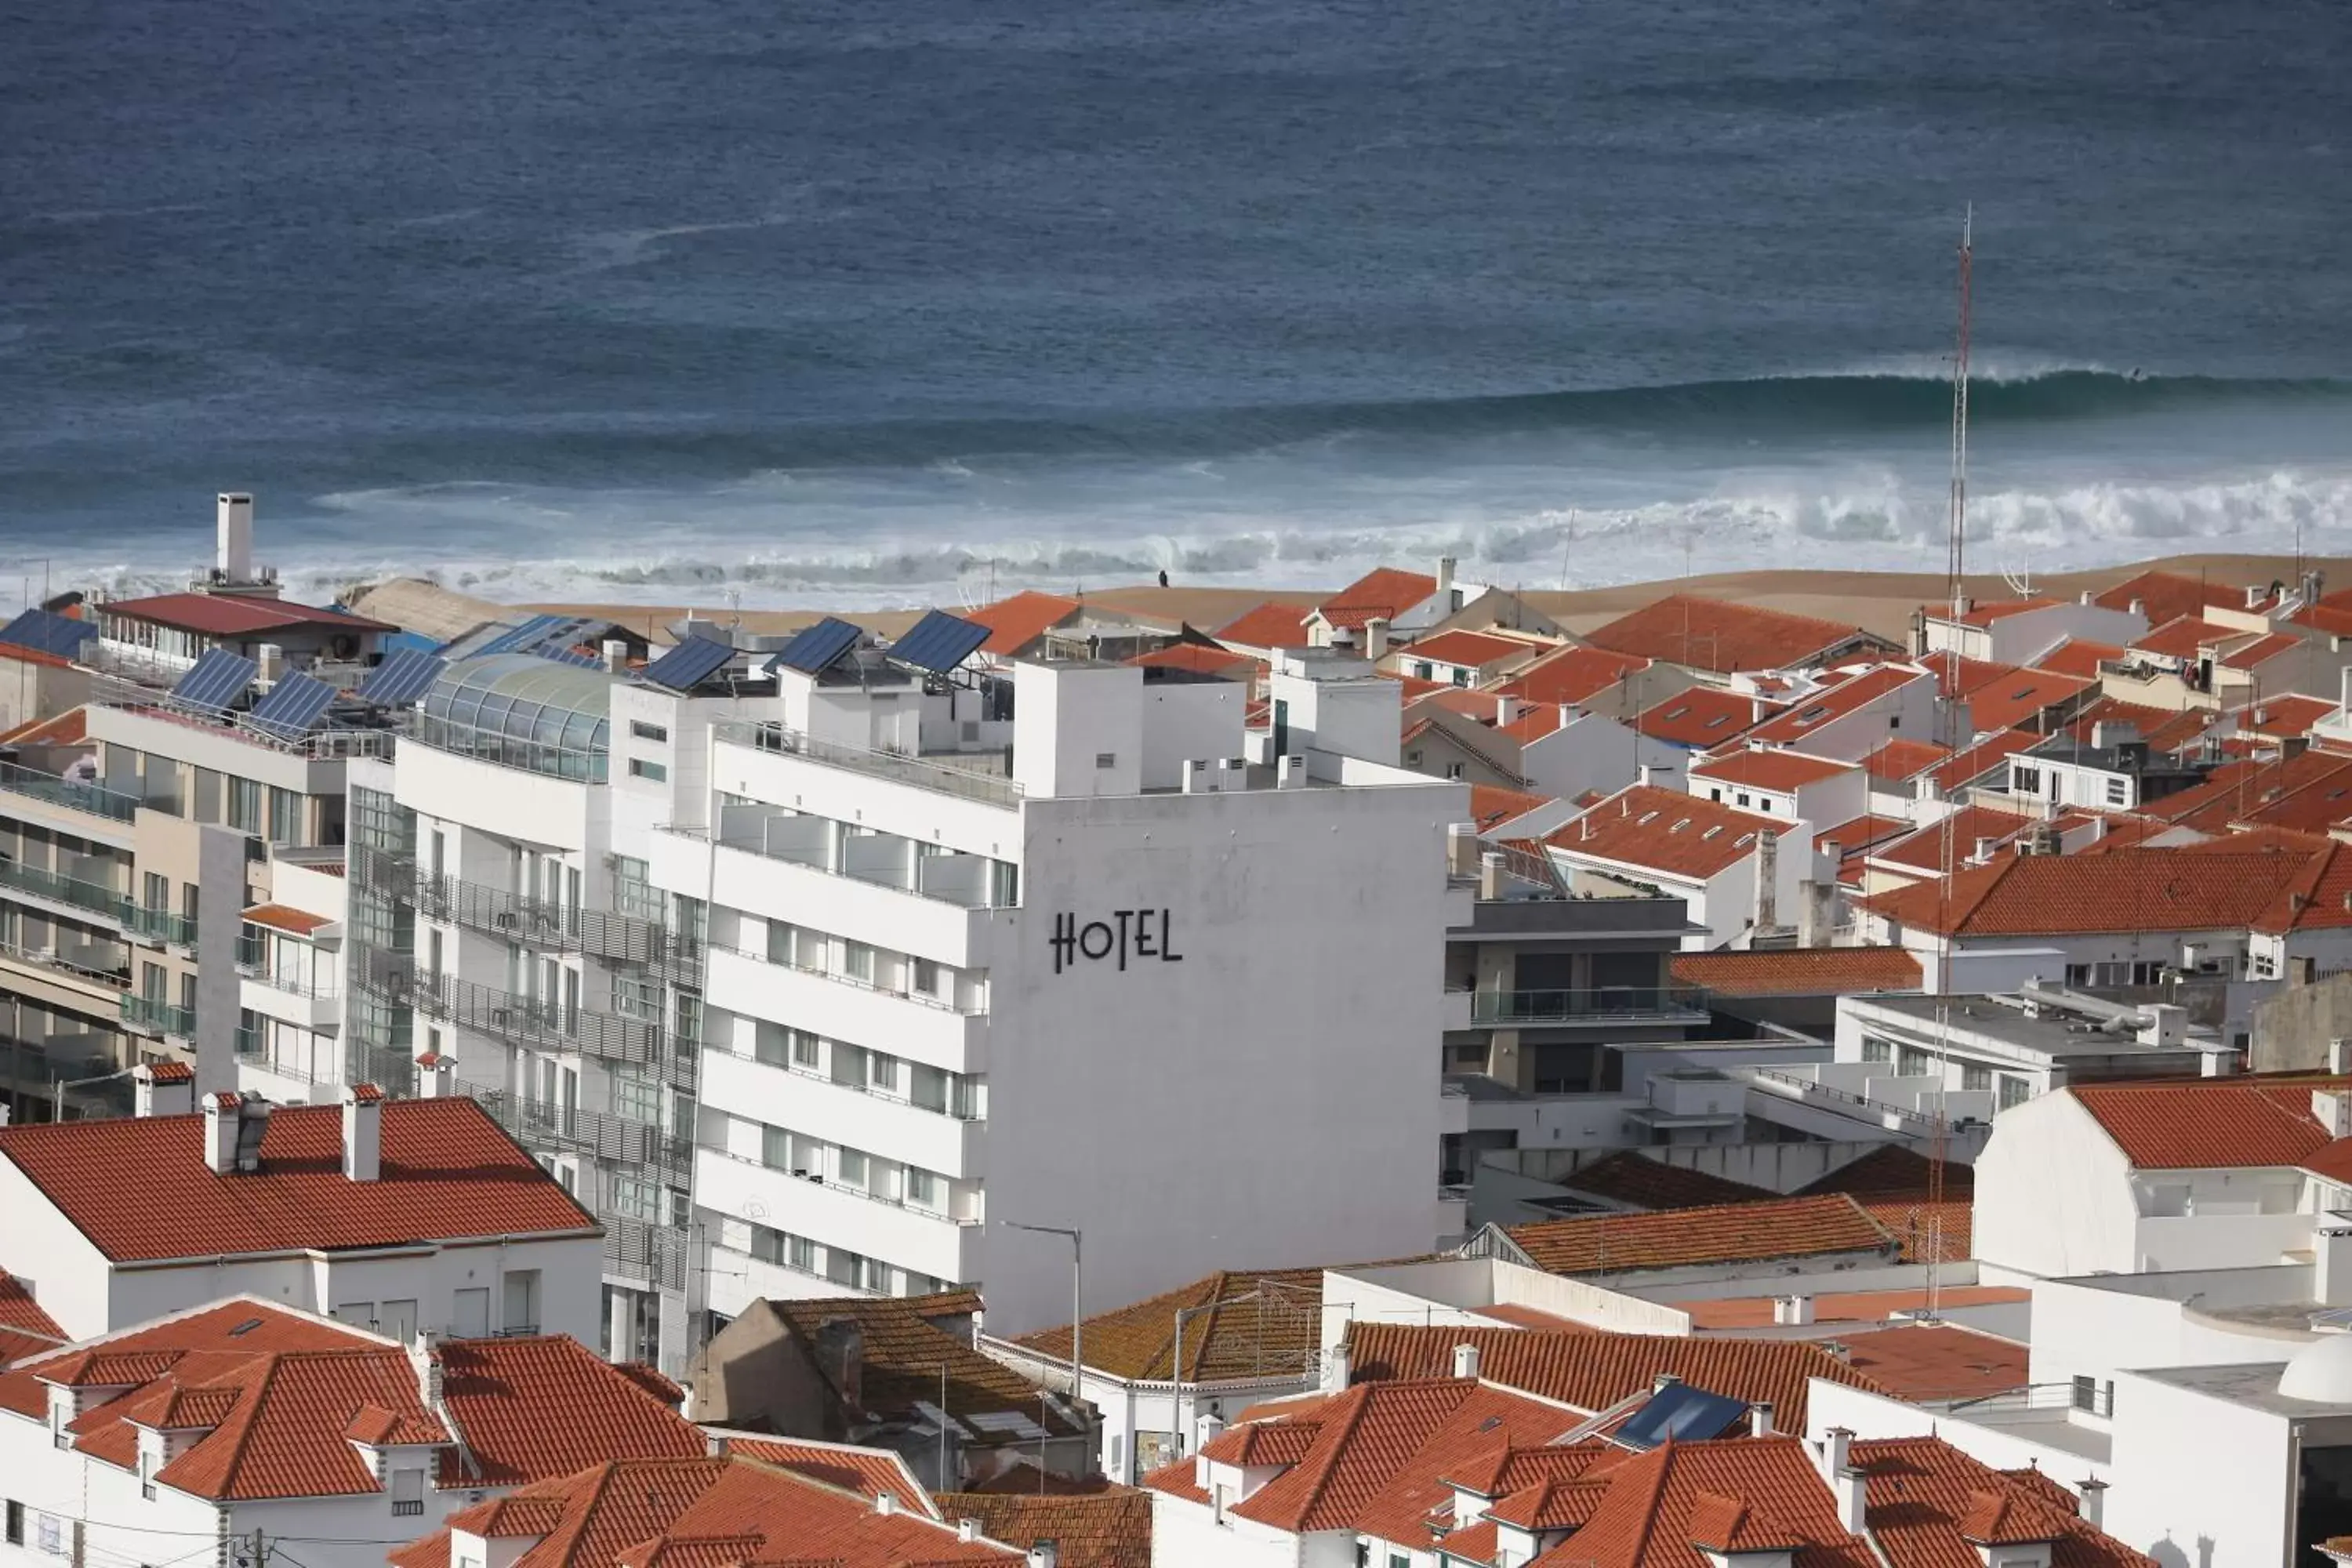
column 66, row 1273
column 2201, row 1483
column 2053, row 1194
column 1189, row 720
column 1066, row 719
column 2292, row 1029
column 2099, row 1327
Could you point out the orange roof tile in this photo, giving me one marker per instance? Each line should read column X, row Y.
column 2079, row 656
column 2261, row 651
column 1634, row 1180
column 868, row 1472
column 1491, row 805
column 1268, row 1326
column 2019, row 701
column 1270, row 625
column 286, row 918
column 20, row 1312
column 1484, row 1428
column 1109, row 1528
column 502, row 1393
column 2183, row 638
column 904, row 1341
column 1800, row 970
column 1383, row 594
column 1700, row 717
column 2168, row 595
column 1985, row 615
column 2246, row 790
column 1923, row 848
column 1665, row 831
column 71, row 728
column 1808, row 714
column 1983, row 758
column 230, row 616
column 1015, row 623
column 1959, row 676
column 2287, row 716
column 1473, row 650
column 1716, row 635
column 2131, row 889
column 2210, row 1123
column 448, row 1171
column 1773, row 769
column 1920, row 1493
column 1573, row 675
column 1733, row 1232
column 1899, row 759
column 1870, row 1306
column 1200, row 660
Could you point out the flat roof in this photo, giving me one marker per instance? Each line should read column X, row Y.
column 2056, row 1033
column 2250, row 1384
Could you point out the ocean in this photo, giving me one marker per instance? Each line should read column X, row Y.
column 815, row 303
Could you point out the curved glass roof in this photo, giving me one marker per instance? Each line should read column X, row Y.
column 523, row 711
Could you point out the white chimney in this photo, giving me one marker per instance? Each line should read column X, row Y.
column 1490, row 875
column 2138, row 608
column 268, row 663
column 233, row 547
column 1852, row 1501
column 2339, row 1055
column 1376, row 639
column 1290, row 772
column 1445, row 573
column 2332, row 1110
column 2164, row 1024
column 1792, row 1310
column 886, row 1503
column 2255, row 595
column 1759, row 1418
column 436, row 1076
column 2093, row 1504
column 967, row 1530
column 363, row 1133
column 1338, row 1366
column 1461, row 848
column 1206, row 1430
column 1835, row 1448
column 220, row 1132
column 1465, row 1361
column 1044, row 1554
column 616, row 656
column 166, row 1090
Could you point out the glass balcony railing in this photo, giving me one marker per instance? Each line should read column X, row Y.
column 162, row 925
column 967, row 781
column 153, row 1016
column 74, row 794
column 94, row 897
column 1598, row 1003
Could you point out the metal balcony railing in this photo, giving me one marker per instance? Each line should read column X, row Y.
column 73, row 794
column 518, row 1020
column 150, row 1016
column 1599, row 1004
column 842, row 978
column 638, row 1249
column 50, row 958
column 897, row 767
column 600, row 1134
column 162, row 925
column 95, row 897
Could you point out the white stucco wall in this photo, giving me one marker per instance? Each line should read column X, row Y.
column 2054, row 1193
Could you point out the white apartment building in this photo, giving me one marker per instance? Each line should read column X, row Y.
column 952, row 992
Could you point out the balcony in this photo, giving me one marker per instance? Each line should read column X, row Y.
column 1613, row 1004
column 515, row 1020
column 835, row 1215
column 161, row 927
column 966, row 783
column 150, row 1015
column 73, row 795
column 601, row 1135
column 840, row 1007
column 100, row 967
column 644, row 1253
column 888, row 1128
column 282, row 996
column 546, row 923
column 89, row 900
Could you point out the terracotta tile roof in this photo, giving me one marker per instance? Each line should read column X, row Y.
column 2019, row 701
column 448, row 1171
column 1631, row 1178
column 1366, row 1435
column 1521, row 1316
column 903, row 1347
column 2182, row 637
column 1283, row 1441
column 1768, row 769
column 1573, row 675
column 1868, row 1307
column 1733, row 1232
column 1109, row 1528
column 1924, row 1362
column 1959, row 676
column 1800, row 971
column 1701, row 717
column 1661, row 1501
column 1716, row 635
column 1899, row 759
column 1986, row 614
column 2079, row 656
column 1383, row 594
column 2258, row 792
column 2168, row 595
column 1473, row 649
column 1015, row 623
column 1982, row 758
column 868, row 1472
column 1201, row 660
column 1270, row 1328
column 1856, row 839
column 2164, row 730
column 2129, row 890
column 2210, row 1123
column 505, row 1394
column 714, row 1513
column 2287, row 716
column 1890, row 1170
column 1272, row 624
column 2262, row 650
column 1484, row 1428
column 286, row 918
column 1491, row 805
column 1923, row 848
column 1923, row 1494
column 1807, row 714
column 229, row 616
column 1666, row 831
column 20, row 1312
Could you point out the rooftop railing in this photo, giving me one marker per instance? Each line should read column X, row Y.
column 899, row 767
column 1598, row 1003
column 75, row 795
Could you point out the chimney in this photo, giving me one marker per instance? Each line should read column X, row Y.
column 616, row 656
column 1461, row 848
column 1290, row 772
column 2339, row 1055
column 2088, row 598
column 1376, row 639
column 220, row 1132
column 269, row 663
column 1852, row 1501
column 2138, row 608
column 168, row 1089
column 1044, row 1554
column 1961, row 606
column 967, row 1530
column 2093, row 1503
column 1338, row 1366
column 2163, row 1024
column 1644, row 775
column 234, row 536
column 1796, row 1310
column 1834, row 1452
column 1759, row 1418
column 1446, row 564
column 436, row 1076
column 2256, row 595
column 363, row 1133
column 1206, row 1430
column 1503, row 706
column 1490, row 875
column 1465, row 1361
column 886, row 1503
column 2332, row 1110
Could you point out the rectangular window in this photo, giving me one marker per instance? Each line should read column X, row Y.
column 16, row 1522
column 245, row 804
column 927, row 977
column 808, row 1051
column 882, row 1072
column 854, row 1172
column 1974, row 1075
column 644, row 731
column 1874, row 1049
column 285, row 817
column 636, row 1097
column 407, row 1490
column 800, row 1253
column 51, row 1533
column 645, row 768
column 858, row 961
column 1911, row 1061
column 1106, row 758
column 156, row 890
column 2023, row 780
column 927, row 1088
column 849, row 1065
column 2014, row 1091
column 2118, row 792
column 776, row 1149
column 771, row 1044
column 924, row 1188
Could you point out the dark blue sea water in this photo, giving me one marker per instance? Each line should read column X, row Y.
column 847, row 302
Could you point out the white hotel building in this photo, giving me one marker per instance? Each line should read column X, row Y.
column 824, row 979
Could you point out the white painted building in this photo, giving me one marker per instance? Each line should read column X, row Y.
column 2018, row 631
column 1741, row 876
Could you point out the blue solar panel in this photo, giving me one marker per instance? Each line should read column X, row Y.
column 216, row 682
column 521, row 638
column 817, row 647
column 294, row 706
column 570, row 656
column 690, row 663
column 401, row 679
column 48, row 632
column 1681, row 1412
column 938, row 642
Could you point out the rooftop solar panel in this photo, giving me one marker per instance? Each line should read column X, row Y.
column 294, row 706
column 816, row 647
column 216, row 682
column 690, row 663
column 401, row 679
column 48, row 632
column 1681, row 1412
column 938, row 642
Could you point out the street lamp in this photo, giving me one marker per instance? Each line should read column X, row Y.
column 1078, row 1295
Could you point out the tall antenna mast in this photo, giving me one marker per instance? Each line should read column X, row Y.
column 1955, row 562
column 1939, row 1135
